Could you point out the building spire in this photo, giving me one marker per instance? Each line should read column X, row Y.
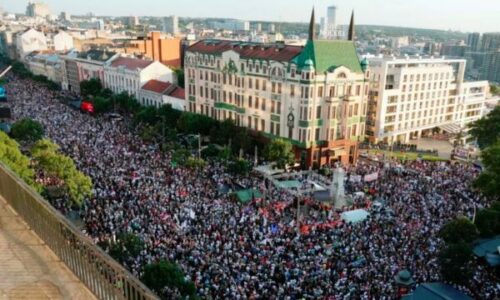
column 350, row 36
column 312, row 27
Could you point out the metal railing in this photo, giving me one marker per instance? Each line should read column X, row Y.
column 99, row 272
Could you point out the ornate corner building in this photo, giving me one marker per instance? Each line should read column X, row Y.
column 314, row 96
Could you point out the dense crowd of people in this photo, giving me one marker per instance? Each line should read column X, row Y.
column 253, row 251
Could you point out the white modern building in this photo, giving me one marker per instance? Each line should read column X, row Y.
column 29, row 41
column 412, row 97
column 126, row 74
column 171, row 25
column 232, row 25
column 157, row 93
column 63, row 41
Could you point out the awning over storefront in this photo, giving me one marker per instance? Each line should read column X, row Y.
column 451, row 128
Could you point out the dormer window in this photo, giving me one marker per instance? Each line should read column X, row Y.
column 342, row 75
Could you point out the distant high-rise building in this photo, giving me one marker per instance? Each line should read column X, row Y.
column 171, row 25
column 64, row 16
column 490, row 42
column 37, row 9
column 473, row 41
column 272, row 28
column 259, row 27
column 133, row 21
column 331, row 23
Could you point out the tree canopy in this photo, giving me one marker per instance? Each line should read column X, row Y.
column 77, row 185
column 455, row 262
column 487, row 129
column 459, row 230
column 91, row 87
column 158, row 276
column 280, row 151
column 27, row 130
column 127, row 246
column 12, row 157
column 489, row 179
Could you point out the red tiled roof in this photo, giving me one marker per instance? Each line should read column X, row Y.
column 276, row 52
column 178, row 92
column 156, row 86
column 131, row 63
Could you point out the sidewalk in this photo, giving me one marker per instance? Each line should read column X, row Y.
column 28, row 268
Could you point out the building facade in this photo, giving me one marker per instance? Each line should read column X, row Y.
column 157, row 93
column 157, row 47
column 63, row 41
column 46, row 64
column 29, row 41
column 411, row 97
column 80, row 66
column 125, row 74
column 314, row 96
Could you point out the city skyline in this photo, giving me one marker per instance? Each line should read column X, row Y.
column 443, row 15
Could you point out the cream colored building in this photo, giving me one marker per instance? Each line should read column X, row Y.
column 411, row 97
column 127, row 74
column 28, row 41
column 314, row 96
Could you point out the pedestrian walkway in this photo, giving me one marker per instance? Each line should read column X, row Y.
column 28, row 268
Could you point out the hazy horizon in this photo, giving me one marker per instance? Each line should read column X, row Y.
column 456, row 15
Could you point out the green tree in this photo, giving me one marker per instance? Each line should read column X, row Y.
column 194, row 123
column 91, row 87
column 487, row 129
column 489, row 179
column 169, row 115
column 210, row 151
column 280, row 151
column 181, row 156
column 224, row 131
column 239, row 167
column 455, row 263
column 495, row 90
column 77, row 185
column 27, row 130
column 488, row 222
column 102, row 105
column 106, row 93
column 459, row 230
column 163, row 274
column 147, row 115
column 180, row 77
column 195, row 163
column 127, row 246
column 12, row 157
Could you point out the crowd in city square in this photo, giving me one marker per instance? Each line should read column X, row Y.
column 232, row 250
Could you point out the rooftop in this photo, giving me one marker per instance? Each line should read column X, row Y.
column 131, row 63
column 156, row 86
column 99, row 55
column 276, row 52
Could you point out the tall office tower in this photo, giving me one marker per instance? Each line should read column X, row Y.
column 37, row 9
column 490, row 46
column 410, row 97
column 473, row 41
column 171, row 25
column 314, row 96
column 322, row 28
column 331, row 22
column 133, row 21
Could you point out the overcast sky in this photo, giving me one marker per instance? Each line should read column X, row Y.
column 464, row 15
